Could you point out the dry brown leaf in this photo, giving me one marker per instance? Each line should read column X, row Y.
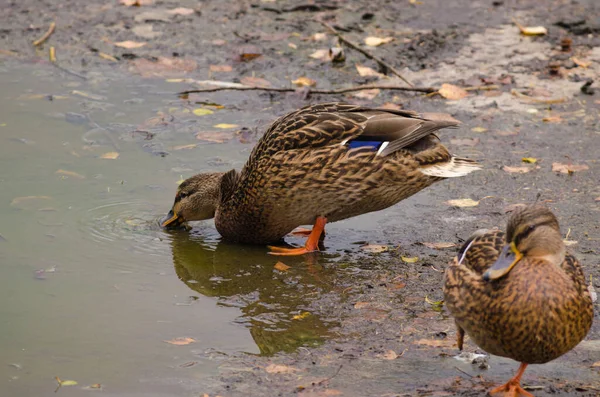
column 280, row 369
column 452, row 92
column 390, row 355
column 372, row 41
column 255, row 82
column 439, row 246
column 248, row 56
column 552, row 119
column 568, row 168
column 374, row 248
column 361, row 305
column 463, row 202
column 367, row 94
column 220, row 68
column 181, row 11
column 130, row 44
column 110, row 156
column 596, row 364
column 70, row 174
column 581, row 63
column 182, row 341
column 185, row 147
column 213, row 136
column 304, row 82
column 465, row 141
column 434, row 342
column 282, row 267
column 366, row 71
column 516, row 170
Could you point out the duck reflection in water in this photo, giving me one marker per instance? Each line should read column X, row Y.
column 275, row 305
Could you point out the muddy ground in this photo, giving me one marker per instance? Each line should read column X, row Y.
column 389, row 334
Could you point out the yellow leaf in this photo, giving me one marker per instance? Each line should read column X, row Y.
column 130, row 44
column 301, row 316
column 372, row 41
column 110, row 156
column 374, row 248
column 530, row 160
column 70, row 174
column 463, row 202
column 180, row 341
column 452, row 92
column 439, row 246
column 65, row 382
column 226, row 126
column 407, row 259
column 478, row 129
column 516, row 170
column 435, row 303
column 202, row 111
column 304, row 82
column 532, row 30
column 282, row 267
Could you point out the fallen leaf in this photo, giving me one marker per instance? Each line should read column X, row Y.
column 322, row 54
column 301, row 316
column 569, row 243
column 94, row 386
column 529, row 160
column 181, row 11
column 107, row 57
column 507, row 133
column 110, row 156
column 226, row 126
column 531, row 30
column 367, row 71
column 581, row 63
column 164, row 67
column 130, row 44
column 463, row 202
column 65, row 382
column 180, row 341
column 568, row 168
column 390, row 355
column 136, row 3
column 367, row 94
column 452, row 92
column 318, row 36
column 374, row 248
column 517, row 170
column 19, row 201
column 479, row 129
column 552, row 119
column 145, row 30
column 465, row 141
column 304, row 82
column 292, row 45
column 185, row 147
column 439, row 246
column 71, row 174
column 247, row 56
column 282, row 267
column 202, row 111
column 361, row 305
column 434, row 342
column 372, row 41
column 220, row 68
column 407, row 259
column 280, row 369
column 213, row 136
column 255, row 81
column 596, row 364
column 433, row 303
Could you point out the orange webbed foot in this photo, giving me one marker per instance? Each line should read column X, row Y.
column 312, row 243
column 513, row 388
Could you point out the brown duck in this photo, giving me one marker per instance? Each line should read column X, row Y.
column 322, row 163
column 519, row 295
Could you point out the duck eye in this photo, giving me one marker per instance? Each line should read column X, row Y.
column 530, row 228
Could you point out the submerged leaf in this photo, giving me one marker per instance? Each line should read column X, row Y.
column 479, row 129
column 374, row 248
column 202, row 111
column 71, row 174
column 182, row 341
column 110, row 155
column 367, row 71
column 390, row 355
column 130, row 44
column 282, row 267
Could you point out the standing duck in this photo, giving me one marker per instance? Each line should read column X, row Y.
column 322, row 163
column 519, row 295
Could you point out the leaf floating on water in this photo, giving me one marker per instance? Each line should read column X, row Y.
column 282, row 267
column 409, row 259
column 110, row 156
column 182, row 341
column 129, row 44
column 568, row 168
column 529, row 160
column 226, row 126
column 280, row 369
column 516, row 170
column 301, row 316
column 463, row 202
column 304, row 82
column 372, row 41
column 185, row 147
column 452, row 92
column 65, row 382
column 202, row 111
column 70, row 174
column 375, row 248
column 439, row 246
column 95, row 386
column 213, row 136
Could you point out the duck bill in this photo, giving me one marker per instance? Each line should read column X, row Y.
column 172, row 220
column 507, row 259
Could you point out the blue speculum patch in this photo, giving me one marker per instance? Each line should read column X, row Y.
column 356, row 144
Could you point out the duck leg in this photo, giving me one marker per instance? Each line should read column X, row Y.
column 312, row 243
column 460, row 337
column 513, row 388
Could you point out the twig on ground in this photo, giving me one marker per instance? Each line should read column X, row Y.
column 46, row 35
column 482, row 88
column 331, row 377
column 365, row 52
column 314, row 91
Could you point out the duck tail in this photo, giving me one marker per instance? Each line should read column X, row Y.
column 457, row 166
